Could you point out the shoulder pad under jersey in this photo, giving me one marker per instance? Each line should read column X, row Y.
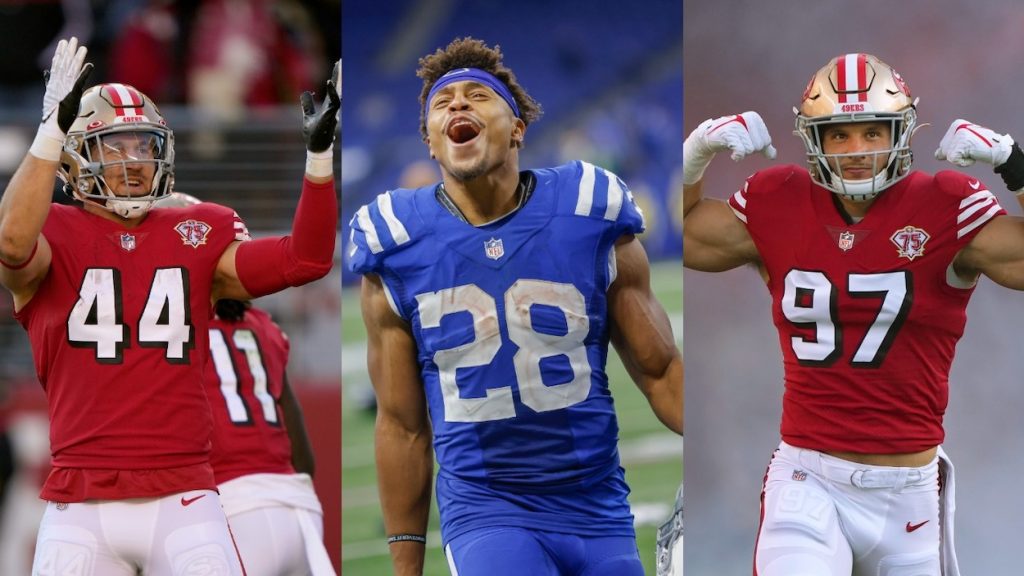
column 590, row 191
column 381, row 227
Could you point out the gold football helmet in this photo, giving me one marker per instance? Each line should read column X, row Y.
column 857, row 88
column 118, row 141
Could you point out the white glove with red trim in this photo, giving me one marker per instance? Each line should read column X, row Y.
column 965, row 142
column 743, row 134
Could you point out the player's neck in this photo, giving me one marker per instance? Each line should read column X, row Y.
column 855, row 211
column 486, row 198
column 108, row 215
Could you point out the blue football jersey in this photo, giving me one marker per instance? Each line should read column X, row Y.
column 511, row 325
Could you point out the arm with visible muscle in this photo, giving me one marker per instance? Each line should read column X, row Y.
column 642, row 335
column 997, row 251
column 714, row 239
column 405, row 461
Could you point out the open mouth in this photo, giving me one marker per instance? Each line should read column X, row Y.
column 462, row 130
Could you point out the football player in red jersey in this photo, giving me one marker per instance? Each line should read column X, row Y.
column 870, row 266
column 116, row 302
column 262, row 459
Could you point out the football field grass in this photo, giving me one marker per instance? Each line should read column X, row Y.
column 651, row 455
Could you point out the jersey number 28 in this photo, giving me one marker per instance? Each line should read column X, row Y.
column 533, row 346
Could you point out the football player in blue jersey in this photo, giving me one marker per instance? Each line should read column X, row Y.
column 489, row 301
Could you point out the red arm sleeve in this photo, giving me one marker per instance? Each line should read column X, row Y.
column 269, row 265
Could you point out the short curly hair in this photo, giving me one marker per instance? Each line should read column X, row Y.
column 472, row 53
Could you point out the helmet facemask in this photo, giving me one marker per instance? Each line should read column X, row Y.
column 112, row 150
column 857, row 88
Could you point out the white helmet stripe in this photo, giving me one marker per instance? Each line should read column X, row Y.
column 852, row 77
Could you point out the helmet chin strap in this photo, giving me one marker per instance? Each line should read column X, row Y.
column 129, row 209
column 861, row 190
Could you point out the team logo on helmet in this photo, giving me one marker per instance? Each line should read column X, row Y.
column 193, row 232
column 807, row 90
column 128, row 241
column 494, row 249
column 910, row 241
column 901, row 83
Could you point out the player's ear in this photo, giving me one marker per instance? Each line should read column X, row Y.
column 430, row 148
column 518, row 133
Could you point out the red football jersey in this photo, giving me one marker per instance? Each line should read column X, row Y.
column 244, row 380
column 868, row 313
column 119, row 337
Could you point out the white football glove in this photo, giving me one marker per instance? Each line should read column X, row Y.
column 965, row 142
column 65, row 69
column 669, row 544
column 743, row 134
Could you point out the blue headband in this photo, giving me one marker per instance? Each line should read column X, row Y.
column 475, row 75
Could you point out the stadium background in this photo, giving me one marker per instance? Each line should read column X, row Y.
column 226, row 74
column 608, row 75
column 963, row 61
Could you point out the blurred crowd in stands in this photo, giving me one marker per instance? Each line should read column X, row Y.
column 222, row 55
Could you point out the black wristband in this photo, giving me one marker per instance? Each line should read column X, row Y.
column 407, row 538
column 1012, row 170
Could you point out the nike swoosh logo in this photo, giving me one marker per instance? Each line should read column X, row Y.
column 975, row 185
column 968, row 128
column 737, row 118
column 187, row 501
column 912, row 527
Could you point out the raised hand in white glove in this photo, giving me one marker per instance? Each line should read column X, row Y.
column 742, row 134
column 65, row 82
column 965, row 143
column 67, row 73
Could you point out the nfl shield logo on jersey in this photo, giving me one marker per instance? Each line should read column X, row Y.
column 128, row 241
column 846, row 241
column 494, row 248
column 909, row 241
column 193, row 232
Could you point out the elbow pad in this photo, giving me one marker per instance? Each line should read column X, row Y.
column 269, row 265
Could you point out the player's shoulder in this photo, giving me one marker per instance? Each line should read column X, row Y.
column 590, row 191
column 264, row 320
column 950, row 191
column 776, row 179
column 62, row 213
column 265, row 326
column 951, row 201
column 203, row 212
column 206, row 218
column 957, row 184
column 388, row 223
column 258, row 316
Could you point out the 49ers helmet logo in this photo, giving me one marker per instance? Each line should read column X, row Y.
column 193, row 232
column 910, row 241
